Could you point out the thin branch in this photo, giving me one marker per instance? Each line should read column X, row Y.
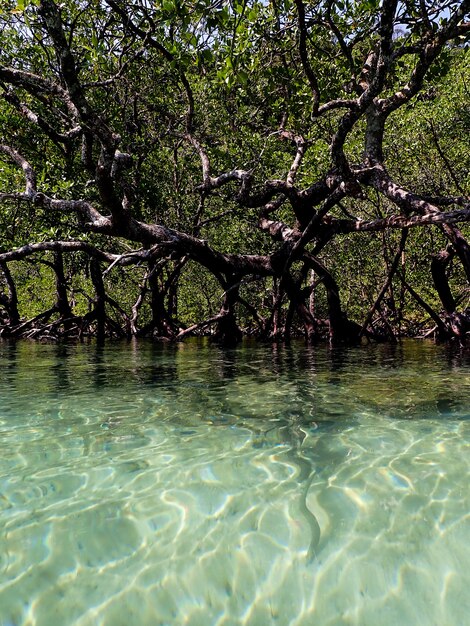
column 38, row 120
column 429, row 51
column 57, row 246
column 444, row 158
column 429, row 310
column 309, row 73
column 386, row 285
column 200, row 326
column 402, row 221
column 29, row 173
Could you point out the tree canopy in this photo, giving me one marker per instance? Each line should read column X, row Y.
column 172, row 167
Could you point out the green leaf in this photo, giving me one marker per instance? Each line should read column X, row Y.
column 242, row 77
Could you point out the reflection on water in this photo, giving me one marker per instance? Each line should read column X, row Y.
column 145, row 484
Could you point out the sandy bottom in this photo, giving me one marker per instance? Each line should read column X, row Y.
column 125, row 509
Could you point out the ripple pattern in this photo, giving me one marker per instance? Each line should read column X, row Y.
column 229, row 493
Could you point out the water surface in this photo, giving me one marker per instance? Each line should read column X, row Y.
column 143, row 484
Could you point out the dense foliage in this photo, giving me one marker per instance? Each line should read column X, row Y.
column 179, row 167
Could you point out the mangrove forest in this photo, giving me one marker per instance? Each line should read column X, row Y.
column 235, row 167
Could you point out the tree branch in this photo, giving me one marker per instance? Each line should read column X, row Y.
column 29, row 173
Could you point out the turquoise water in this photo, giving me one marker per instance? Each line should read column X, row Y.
column 143, row 484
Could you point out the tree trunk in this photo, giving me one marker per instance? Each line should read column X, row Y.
column 11, row 301
column 342, row 330
column 160, row 319
column 288, row 321
column 457, row 323
column 297, row 303
column 439, row 264
column 461, row 246
column 227, row 331
column 62, row 302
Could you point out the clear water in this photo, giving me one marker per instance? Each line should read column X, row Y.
column 143, row 484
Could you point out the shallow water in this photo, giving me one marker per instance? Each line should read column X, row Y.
column 143, row 484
